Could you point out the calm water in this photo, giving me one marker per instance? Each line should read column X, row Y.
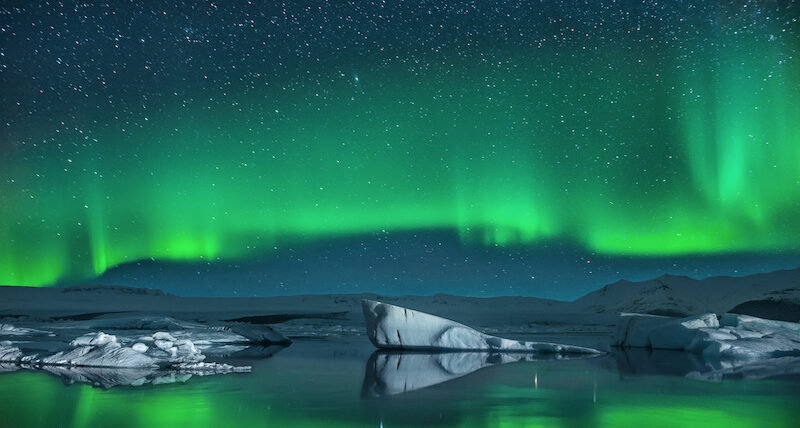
column 328, row 383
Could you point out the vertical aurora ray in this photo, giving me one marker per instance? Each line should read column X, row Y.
column 741, row 133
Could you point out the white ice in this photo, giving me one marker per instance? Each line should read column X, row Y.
column 395, row 327
column 731, row 336
column 104, row 350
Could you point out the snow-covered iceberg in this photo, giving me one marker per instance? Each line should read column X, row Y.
column 214, row 332
column 103, row 360
column 11, row 330
column 99, row 350
column 395, row 327
column 258, row 333
column 9, row 353
column 104, row 350
column 731, row 336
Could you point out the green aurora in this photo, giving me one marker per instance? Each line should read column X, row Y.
column 643, row 144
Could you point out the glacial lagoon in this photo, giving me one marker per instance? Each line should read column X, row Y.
column 337, row 382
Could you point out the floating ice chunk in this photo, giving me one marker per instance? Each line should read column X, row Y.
column 9, row 353
column 184, row 351
column 103, row 350
column 258, row 333
column 164, row 345
column 734, row 337
column 107, row 354
column 677, row 333
column 11, row 330
column 99, row 350
column 92, row 339
column 395, row 327
column 163, row 336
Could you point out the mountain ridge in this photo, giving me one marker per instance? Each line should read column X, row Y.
column 773, row 295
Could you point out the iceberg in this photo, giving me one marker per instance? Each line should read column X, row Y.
column 11, row 330
column 213, row 332
column 9, row 353
column 100, row 350
column 730, row 336
column 258, row 333
column 103, row 360
column 396, row 327
column 104, row 350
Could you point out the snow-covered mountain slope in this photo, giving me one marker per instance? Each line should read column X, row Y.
column 681, row 296
column 781, row 305
column 772, row 295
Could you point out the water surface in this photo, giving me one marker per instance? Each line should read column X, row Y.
column 322, row 383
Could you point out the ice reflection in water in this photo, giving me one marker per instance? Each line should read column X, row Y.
column 320, row 383
column 395, row 372
column 109, row 377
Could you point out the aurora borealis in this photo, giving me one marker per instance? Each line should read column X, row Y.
column 229, row 132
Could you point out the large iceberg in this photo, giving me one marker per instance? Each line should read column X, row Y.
column 395, row 327
column 730, row 336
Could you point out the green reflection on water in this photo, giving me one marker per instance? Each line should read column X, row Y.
column 299, row 390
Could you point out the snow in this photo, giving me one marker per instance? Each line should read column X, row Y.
column 163, row 336
column 123, row 308
column 100, row 350
column 149, row 327
column 395, row 327
column 104, row 350
column 102, row 360
column 11, row 330
column 9, row 353
column 730, row 337
column 775, row 292
column 93, row 339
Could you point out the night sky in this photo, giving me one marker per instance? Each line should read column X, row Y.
column 519, row 136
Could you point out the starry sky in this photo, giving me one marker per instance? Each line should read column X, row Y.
column 522, row 136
